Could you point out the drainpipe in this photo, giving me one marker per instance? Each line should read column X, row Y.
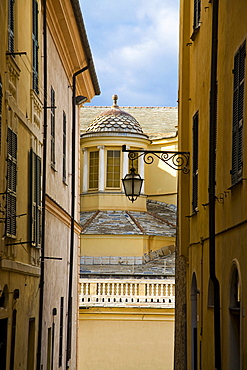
column 69, row 322
column 212, row 181
column 41, row 286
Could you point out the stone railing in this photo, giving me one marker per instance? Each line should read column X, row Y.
column 127, row 293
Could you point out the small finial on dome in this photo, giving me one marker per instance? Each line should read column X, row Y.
column 115, row 98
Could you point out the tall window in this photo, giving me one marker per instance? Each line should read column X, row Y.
column 195, row 163
column 11, row 26
column 113, row 169
column 53, row 127
column 93, row 170
column 238, row 114
column 197, row 13
column 64, row 146
column 61, row 333
column 11, row 183
column 35, row 199
column 1, row 109
column 35, row 47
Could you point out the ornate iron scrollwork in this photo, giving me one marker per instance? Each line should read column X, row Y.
column 177, row 160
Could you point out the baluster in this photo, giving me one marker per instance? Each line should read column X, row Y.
column 147, row 286
column 131, row 289
column 166, row 290
column 171, row 286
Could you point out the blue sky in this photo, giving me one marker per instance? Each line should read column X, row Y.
column 135, row 50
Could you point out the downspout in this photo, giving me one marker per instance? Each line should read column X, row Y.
column 69, row 322
column 212, row 183
column 42, row 267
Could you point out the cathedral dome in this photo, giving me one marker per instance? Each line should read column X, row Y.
column 115, row 120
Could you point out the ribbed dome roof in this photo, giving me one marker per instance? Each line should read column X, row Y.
column 115, row 119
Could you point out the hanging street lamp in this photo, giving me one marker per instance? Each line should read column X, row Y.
column 132, row 182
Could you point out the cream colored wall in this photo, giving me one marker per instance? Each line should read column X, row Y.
column 120, row 339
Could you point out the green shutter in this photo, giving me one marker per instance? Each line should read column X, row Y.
column 52, row 127
column 11, row 184
column 35, row 200
column 11, row 27
column 238, row 115
column 35, row 47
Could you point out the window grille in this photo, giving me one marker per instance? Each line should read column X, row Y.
column 93, row 170
column 113, row 169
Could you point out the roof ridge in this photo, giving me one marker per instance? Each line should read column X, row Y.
column 161, row 219
column 135, row 222
column 90, row 220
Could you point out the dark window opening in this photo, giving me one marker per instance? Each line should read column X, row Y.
column 195, row 163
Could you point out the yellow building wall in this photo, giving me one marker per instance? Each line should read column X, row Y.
column 160, row 178
column 120, row 339
column 231, row 211
column 122, row 245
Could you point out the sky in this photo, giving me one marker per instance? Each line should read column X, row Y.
column 134, row 44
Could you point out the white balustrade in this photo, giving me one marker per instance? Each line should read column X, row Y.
column 128, row 293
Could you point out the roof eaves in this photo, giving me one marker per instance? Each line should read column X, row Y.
column 82, row 31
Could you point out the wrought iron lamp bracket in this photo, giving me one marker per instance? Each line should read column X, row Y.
column 177, row 160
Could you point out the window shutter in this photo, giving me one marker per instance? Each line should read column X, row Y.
column 195, row 162
column 52, row 127
column 11, row 183
column 11, row 26
column 35, row 200
column 197, row 13
column 64, row 145
column 35, row 47
column 238, row 114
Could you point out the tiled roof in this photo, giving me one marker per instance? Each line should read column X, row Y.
column 114, row 119
column 154, row 121
column 160, row 219
column 160, row 267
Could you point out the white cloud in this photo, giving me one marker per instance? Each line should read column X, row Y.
column 134, row 44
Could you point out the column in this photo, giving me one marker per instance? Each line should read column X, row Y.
column 85, row 170
column 101, row 167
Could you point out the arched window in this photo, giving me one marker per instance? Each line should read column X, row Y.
column 234, row 311
column 193, row 298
